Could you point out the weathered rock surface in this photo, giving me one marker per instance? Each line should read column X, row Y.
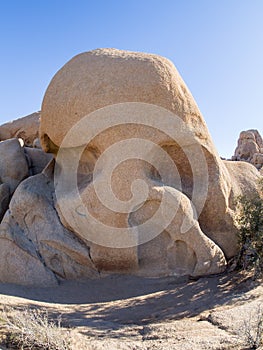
column 102, row 227
column 16, row 164
column 37, row 160
column 257, row 160
column 109, row 77
column 103, row 77
column 38, row 249
column 4, row 199
column 250, row 148
column 25, row 128
column 37, row 144
column 13, row 163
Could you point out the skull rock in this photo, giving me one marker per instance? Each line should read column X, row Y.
column 136, row 179
column 106, row 77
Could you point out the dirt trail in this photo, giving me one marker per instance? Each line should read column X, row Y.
column 123, row 312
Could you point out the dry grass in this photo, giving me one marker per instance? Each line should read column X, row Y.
column 253, row 330
column 32, row 329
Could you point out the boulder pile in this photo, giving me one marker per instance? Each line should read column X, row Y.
column 25, row 128
column 21, row 154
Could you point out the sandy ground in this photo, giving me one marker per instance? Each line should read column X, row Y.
column 123, row 312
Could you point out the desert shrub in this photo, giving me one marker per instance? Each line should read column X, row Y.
column 252, row 330
column 32, row 329
column 249, row 220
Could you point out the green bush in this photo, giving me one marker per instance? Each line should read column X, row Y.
column 249, row 220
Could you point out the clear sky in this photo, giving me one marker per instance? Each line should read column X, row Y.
column 217, row 46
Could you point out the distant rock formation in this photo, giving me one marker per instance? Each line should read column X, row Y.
column 250, row 148
column 25, row 128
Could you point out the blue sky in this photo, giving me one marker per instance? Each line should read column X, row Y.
column 217, row 46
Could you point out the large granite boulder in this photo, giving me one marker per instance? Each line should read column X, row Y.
column 35, row 249
column 136, row 186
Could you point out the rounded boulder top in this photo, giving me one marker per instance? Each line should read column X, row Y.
column 102, row 77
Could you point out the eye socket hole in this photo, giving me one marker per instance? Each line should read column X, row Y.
column 48, row 145
column 182, row 179
column 154, row 174
column 86, row 165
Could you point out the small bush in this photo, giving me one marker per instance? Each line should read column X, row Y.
column 253, row 330
column 249, row 220
column 32, row 329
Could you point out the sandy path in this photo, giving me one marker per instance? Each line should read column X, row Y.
column 121, row 312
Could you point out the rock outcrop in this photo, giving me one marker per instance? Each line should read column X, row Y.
column 250, row 148
column 136, row 185
column 25, row 128
column 39, row 249
column 16, row 164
